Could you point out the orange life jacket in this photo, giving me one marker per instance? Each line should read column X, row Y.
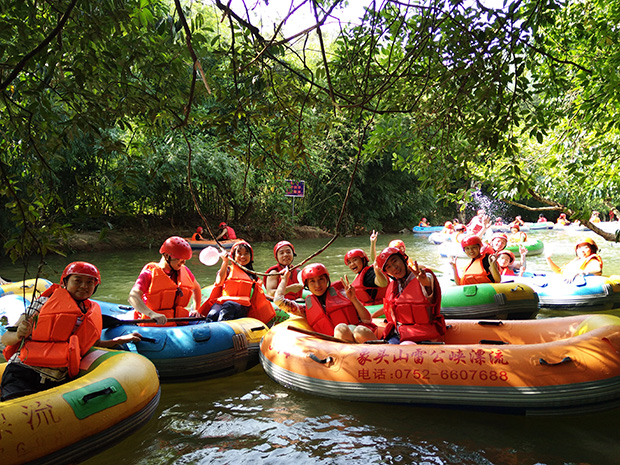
column 338, row 309
column 361, row 291
column 55, row 341
column 241, row 288
column 167, row 297
column 292, row 279
column 475, row 273
column 415, row 317
column 230, row 234
column 571, row 267
column 197, row 237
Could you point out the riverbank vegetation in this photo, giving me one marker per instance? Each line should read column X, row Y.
column 129, row 113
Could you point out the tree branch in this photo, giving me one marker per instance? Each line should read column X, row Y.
column 39, row 48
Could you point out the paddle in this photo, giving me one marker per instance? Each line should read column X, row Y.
column 111, row 322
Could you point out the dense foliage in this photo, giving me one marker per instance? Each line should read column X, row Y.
column 117, row 111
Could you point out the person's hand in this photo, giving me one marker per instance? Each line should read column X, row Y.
column 373, row 236
column 125, row 338
column 420, row 274
column 492, row 258
column 452, row 260
column 522, row 251
column 348, row 289
column 194, row 314
column 24, row 328
column 285, row 274
column 294, row 288
column 159, row 318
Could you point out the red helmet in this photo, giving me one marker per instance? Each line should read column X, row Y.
column 509, row 253
column 397, row 243
column 314, row 270
column 222, row 224
column 589, row 241
column 355, row 253
column 234, row 248
column 448, row 224
column 471, row 240
column 81, row 268
column 176, row 247
column 199, row 230
column 499, row 236
column 387, row 253
column 281, row 244
column 515, row 226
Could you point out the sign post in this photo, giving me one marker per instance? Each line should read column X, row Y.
column 295, row 189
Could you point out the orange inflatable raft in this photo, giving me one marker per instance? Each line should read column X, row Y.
column 548, row 366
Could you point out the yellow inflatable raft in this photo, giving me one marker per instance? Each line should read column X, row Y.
column 116, row 393
column 555, row 365
column 29, row 289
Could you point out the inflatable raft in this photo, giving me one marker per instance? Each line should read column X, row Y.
column 502, row 301
column 30, row 288
column 115, row 394
column 426, row 229
column 192, row 351
column 544, row 366
column 582, row 294
column 452, row 249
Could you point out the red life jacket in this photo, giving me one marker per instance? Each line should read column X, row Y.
column 167, row 297
column 292, row 279
column 338, row 309
column 415, row 317
column 476, row 274
column 507, row 272
column 241, row 288
column 55, row 341
column 230, row 234
column 361, row 291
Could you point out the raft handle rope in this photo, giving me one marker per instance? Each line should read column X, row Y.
column 492, row 342
column 542, row 361
column 490, row 323
column 102, row 392
column 325, row 360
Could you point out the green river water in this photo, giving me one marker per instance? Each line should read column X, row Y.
column 248, row 418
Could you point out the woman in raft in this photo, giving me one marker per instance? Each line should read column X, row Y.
column 587, row 262
column 238, row 292
column 284, row 253
column 412, row 301
column 481, row 269
column 333, row 310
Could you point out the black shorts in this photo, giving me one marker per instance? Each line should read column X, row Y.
column 19, row 381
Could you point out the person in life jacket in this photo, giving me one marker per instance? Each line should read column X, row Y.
column 516, row 235
column 412, row 302
column 505, row 264
column 497, row 244
column 400, row 245
column 369, row 287
column 197, row 236
column 541, row 218
column 226, row 232
column 46, row 346
column 284, row 253
column 595, row 217
column 333, row 310
column 164, row 289
column 481, row 269
column 238, row 292
column 423, row 223
column 479, row 223
column 562, row 220
column 587, row 262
